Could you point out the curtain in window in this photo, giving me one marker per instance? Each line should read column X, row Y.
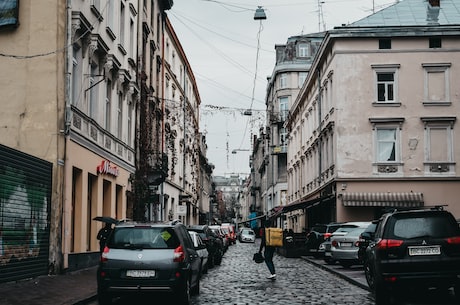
column 386, row 144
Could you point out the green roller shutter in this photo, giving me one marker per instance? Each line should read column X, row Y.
column 25, row 202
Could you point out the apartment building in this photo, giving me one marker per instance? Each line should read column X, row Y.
column 70, row 146
column 182, row 139
column 375, row 123
column 293, row 61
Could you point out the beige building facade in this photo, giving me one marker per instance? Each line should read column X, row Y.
column 375, row 124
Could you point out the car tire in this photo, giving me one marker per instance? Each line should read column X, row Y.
column 206, row 267
column 184, row 295
column 104, row 298
column 369, row 274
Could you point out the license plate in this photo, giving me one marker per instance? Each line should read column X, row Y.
column 329, row 254
column 346, row 244
column 140, row 273
column 434, row 250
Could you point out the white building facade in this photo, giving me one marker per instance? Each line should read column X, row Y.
column 375, row 124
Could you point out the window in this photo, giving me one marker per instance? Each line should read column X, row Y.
column 130, row 124
column 303, row 50
column 384, row 43
column 284, row 108
column 387, row 144
column 93, row 92
column 9, row 12
column 436, row 87
column 439, row 143
column 283, row 80
column 302, row 78
column 435, row 42
column 283, row 136
column 122, row 24
column 76, row 75
column 120, row 115
column 110, row 14
column 385, row 86
column 386, row 79
column 108, row 104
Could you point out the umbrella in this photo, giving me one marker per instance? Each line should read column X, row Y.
column 106, row 219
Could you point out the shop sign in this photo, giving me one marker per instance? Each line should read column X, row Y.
column 181, row 210
column 106, row 168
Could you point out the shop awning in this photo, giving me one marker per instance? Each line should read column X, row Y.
column 305, row 204
column 409, row 199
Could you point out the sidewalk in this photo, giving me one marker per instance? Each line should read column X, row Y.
column 354, row 275
column 68, row 289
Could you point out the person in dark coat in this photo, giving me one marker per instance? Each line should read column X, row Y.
column 269, row 251
column 103, row 235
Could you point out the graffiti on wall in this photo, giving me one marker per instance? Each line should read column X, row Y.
column 23, row 215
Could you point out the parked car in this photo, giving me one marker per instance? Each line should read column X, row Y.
column 344, row 248
column 247, row 235
column 343, row 229
column 412, row 250
column 363, row 243
column 231, row 230
column 148, row 257
column 200, row 248
column 219, row 232
column 213, row 243
column 317, row 235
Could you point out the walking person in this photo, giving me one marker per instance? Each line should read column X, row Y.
column 269, row 251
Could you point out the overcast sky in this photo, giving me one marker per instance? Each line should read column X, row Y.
column 231, row 56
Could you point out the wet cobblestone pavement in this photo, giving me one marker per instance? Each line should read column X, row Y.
column 240, row 281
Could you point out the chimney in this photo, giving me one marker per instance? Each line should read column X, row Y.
column 432, row 12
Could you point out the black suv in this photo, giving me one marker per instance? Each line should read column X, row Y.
column 148, row 257
column 213, row 243
column 413, row 249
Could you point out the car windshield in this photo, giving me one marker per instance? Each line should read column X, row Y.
column 437, row 226
column 143, row 238
column 248, row 232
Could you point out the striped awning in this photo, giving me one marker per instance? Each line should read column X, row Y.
column 409, row 199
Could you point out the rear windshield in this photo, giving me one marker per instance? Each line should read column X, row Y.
column 435, row 226
column 143, row 238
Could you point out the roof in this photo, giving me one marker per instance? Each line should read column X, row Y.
column 413, row 13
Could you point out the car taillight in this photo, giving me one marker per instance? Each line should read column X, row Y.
column 389, row 243
column 454, row 240
column 334, row 243
column 179, row 255
column 104, row 254
column 327, row 235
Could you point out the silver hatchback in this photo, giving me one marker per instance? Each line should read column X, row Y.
column 149, row 257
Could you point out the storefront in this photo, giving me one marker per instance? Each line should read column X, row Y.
column 97, row 186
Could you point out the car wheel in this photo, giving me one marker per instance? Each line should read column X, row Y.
column 382, row 295
column 183, row 296
column 218, row 258
column 104, row 298
column 370, row 279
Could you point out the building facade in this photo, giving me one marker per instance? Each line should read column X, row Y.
column 293, row 61
column 87, row 122
column 374, row 125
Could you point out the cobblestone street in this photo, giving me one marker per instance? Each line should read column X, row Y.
column 241, row 281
